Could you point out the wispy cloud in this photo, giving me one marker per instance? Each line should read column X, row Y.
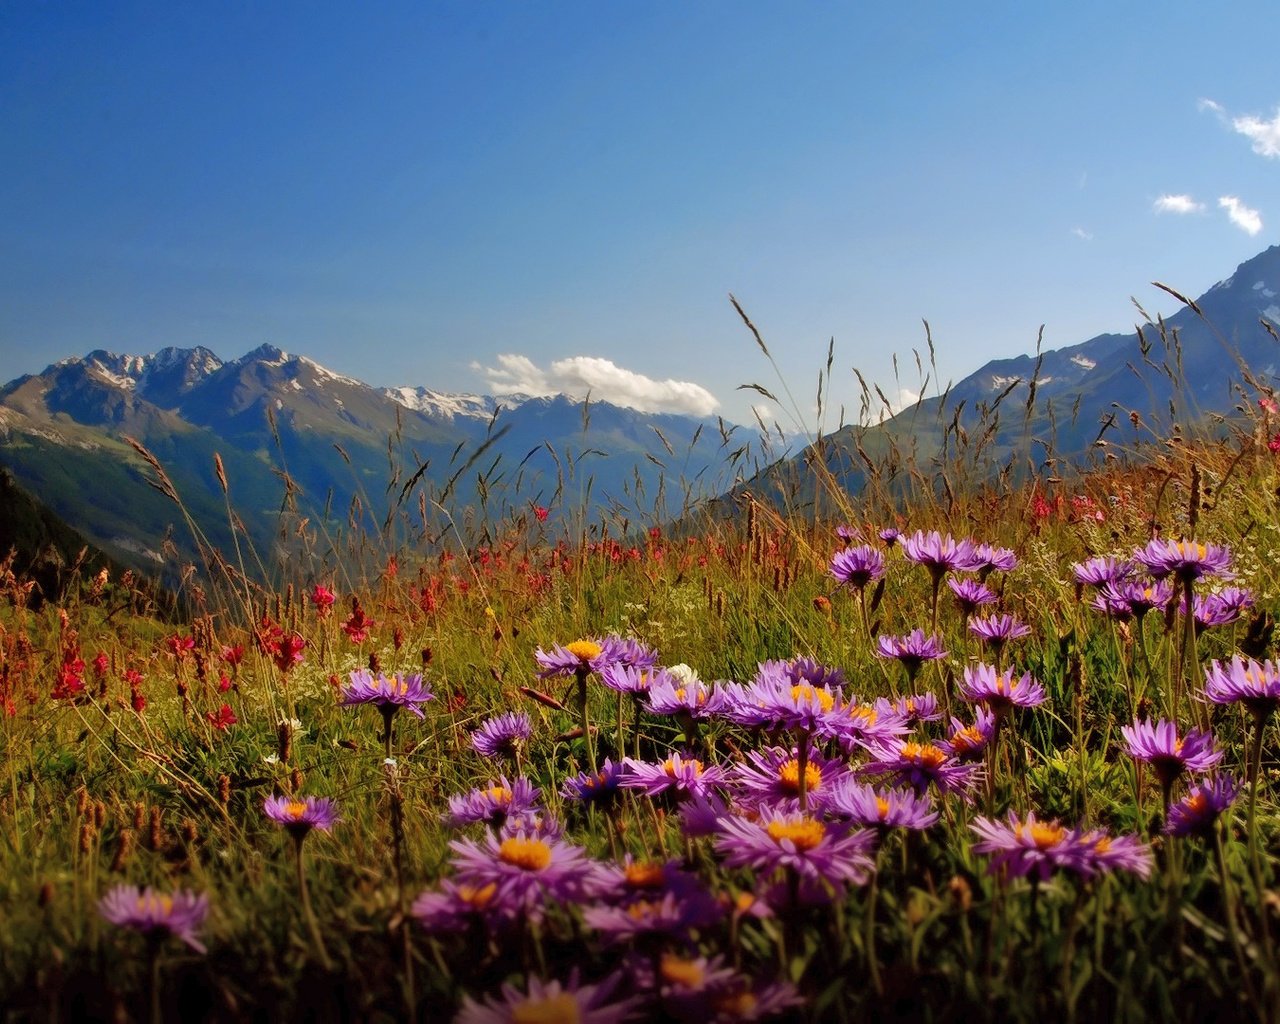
column 1265, row 135
column 1082, row 234
column 602, row 378
column 1180, row 203
column 1207, row 104
column 1246, row 219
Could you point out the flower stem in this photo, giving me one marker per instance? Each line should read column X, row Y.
column 305, row 897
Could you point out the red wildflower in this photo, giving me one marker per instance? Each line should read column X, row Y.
column 100, row 663
column 541, row 511
column 233, row 655
column 322, row 597
column 222, row 718
column 288, row 651
column 358, row 625
column 180, row 646
column 1274, row 443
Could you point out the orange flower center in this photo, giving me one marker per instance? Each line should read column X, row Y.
column 882, row 807
column 561, row 1008
column 966, row 739
column 924, row 754
column 789, row 776
column 736, row 1004
column 478, row 898
column 678, row 971
column 805, row 692
column 669, row 766
column 584, row 650
column 500, row 795
column 295, row 809
column 526, row 854
column 1043, row 834
column 804, row 834
column 644, row 874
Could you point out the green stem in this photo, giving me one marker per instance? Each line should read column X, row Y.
column 305, row 897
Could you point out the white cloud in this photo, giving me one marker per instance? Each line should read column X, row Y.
column 1265, row 135
column 1241, row 216
column 1208, row 104
column 604, row 379
column 1082, row 234
column 1177, row 204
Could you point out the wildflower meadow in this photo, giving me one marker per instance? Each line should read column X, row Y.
column 1003, row 749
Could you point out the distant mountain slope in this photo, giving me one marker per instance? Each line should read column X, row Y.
column 325, row 449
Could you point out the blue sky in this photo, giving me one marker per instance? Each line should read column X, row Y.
column 472, row 196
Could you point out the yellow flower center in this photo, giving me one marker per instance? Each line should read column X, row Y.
column 295, row 809
column 561, row 1008
column 863, row 714
column 804, row 834
column 1043, row 834
column 584, row 650
column 161, row 901
column 1197, row 804
column 644, row 874
column 882, row 808
column 966, row 739
column 805, row 692
column 639, row 910
column 500, row 795
column 526, row 854
column 744, row 902
column 669, row 766
column 789, row 776
column 478, row 898
column 924, row 754
column 1189, row 549
column 688, row 973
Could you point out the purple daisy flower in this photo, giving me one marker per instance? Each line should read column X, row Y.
column 704, row 991
column 868, row 726
column 503, row 735
column 1105, row 852
column 998, row 630
column 533, row 823
column 987, row 557
column 179, row 913
column 772, row 777
column 1110, row 602
column 666, row 914
column 828, row 852
column 633, row 680
column 881, row 808
column 550, row 1001
column 671, row 695
column 939, row 554
column 1185, row 560
column 857, row 566
column 1197, row 812
column 701, row 815
column 676, row 775
column 1000, row 691
column 920, row 765
column 1254, row 684
column 777, row 699
column 526, row 869
column 388, row 693
column 455, row 908
column 1097, row 572
column 1142, row 596
column 849, row 534
column 493, row 803
column 969, row 742
column 970, row 595
column 570, row 659
column 911, row 650
column 1169, row 756
column 632, row 880
column 1219, row 609
column 1030, row 847
column 599, row 788
column 916, row 708
column 890, row 536
column 299, row 815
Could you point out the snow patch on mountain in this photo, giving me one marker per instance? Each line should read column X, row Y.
column 1084, row 362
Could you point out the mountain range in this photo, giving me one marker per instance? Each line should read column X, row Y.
column 310, row 455
column 275, row 449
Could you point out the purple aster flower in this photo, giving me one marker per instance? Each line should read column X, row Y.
column 299, row 815
column 969, row 742
column 939, row 554
column 665, row 914
column 987, row 557
column 1254, row 684
column 152, row 913
column 600, row 788
column 672, row 695
column 772, row 776
column 890, row 536
column 856, row 724
column 882, row 809
column 388, row 693
column 916, row 708
column 493, row 803
column 1197, row 812
column 633, row 680
column 1219, row 609
column 1103, row 569
column 701, row 815
column 970, row 595
column 1185, row 560
column 849, row 534
column 533, row 823
column 1168, row 755
column 455, row 908
column 920, row 765
column 502, row 735
column 856, row 567
column 998, row 630
column 526, row 869
column 1000, row 691
column 778, row 699
column 1105, row 852
column 828, row 852
column 1110, row 602
column 570, row 659
column 911, row 650
column 704, row 991
column 1141, row 596
column 633, row 880
column 678, row 776
column 550, row 1001
column 1030, row 847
